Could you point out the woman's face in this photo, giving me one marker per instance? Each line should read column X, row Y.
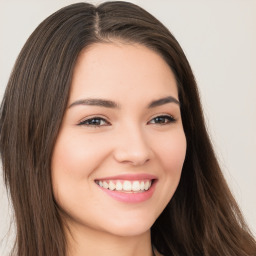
column 119, row 154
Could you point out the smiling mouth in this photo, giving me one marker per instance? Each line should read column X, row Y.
column 126, row 186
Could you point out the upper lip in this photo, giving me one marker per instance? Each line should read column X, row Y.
column 139, row 176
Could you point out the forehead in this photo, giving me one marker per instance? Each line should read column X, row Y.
column 121, row 69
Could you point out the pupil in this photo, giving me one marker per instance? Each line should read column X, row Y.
column 95, row 121
column 160, row 119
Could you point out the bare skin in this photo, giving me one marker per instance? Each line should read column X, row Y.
column 131, row 127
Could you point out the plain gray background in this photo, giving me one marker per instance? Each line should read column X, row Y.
column 219, row 39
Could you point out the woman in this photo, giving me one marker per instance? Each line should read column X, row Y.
column 104, row 146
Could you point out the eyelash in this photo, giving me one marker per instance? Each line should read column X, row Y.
column 170, row 119
column 88, row 122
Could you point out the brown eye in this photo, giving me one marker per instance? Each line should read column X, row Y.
column 95, row 121
column 162, row 120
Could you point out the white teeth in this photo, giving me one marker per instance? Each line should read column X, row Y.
column 147, row 185
column 119, row 186
column 111, row 185
column 105, row 184
column 135, row 186
column 125, row 186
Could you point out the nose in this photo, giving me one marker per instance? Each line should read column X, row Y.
column 132, row 147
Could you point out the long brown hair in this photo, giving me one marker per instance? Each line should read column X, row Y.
column 202, row 218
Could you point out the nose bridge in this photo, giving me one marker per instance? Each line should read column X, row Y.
column 132, row 145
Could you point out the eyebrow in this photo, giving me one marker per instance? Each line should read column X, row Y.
column 96, row 102
column 112, row 104
column 162, row 101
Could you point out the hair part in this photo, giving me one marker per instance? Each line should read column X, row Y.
column 202, row 218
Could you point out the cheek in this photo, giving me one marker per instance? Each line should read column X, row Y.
column 73, row 162
column 75, row 155
column 172, row 151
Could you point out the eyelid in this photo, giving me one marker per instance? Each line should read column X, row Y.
column 83, row 121
column 171, row 119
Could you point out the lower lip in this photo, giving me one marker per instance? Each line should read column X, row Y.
column 135, row 197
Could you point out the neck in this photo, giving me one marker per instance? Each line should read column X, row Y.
column 83, row 241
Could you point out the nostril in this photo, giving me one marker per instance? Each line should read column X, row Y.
column 132, row 157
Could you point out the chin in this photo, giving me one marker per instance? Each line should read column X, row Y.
column 129, row 232
column 129, row 228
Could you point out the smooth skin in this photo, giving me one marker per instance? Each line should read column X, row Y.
column 124, row 136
